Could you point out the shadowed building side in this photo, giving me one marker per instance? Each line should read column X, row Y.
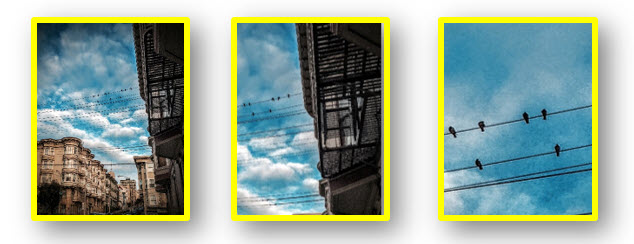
column 159, row 50
column 153, row 202
column 342, row 83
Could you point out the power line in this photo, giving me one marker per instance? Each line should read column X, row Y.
column 518, row 180
column 96, row 95
column 279, row 204
column 520, row 176
column 288, row 114
column 87, row 105
column 520, row 158
column 276, row 195
column 92, row 114
column 273, row 130
column 278, row 199
column 270, row 111
column 278, row 135
column 251, row 103
column 520, row 120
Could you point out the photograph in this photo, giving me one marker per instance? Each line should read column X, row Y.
column 309, row 119
column 110, row 119
column 518, row 114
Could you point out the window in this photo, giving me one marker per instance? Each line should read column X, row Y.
column 151, row 182
column 47, row 164
column 46, row 178
column 68, row 177
column 153, row 200
column 69, row 163
column 48, row 151
column 69, row 150
column 150, row 167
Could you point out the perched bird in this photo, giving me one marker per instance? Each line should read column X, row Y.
column 252, row 114
column 557, row 149
column 272, row 99
column 544, row 113
column 477, row 162
column 249, row 104
column 481, row 125
column 270, row 111
column 452, row 131
column 288, row 95
column 525, row 115
column 278, row 98
column 244, row 105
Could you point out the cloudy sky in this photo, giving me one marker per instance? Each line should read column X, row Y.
column 277, row 150
column 88, row 88
column 496, row 72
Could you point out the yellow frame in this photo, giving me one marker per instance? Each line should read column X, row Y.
column 595, row 123
column 386, row 126
column 34, row 215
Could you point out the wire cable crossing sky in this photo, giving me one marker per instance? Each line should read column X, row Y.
column 539, row 75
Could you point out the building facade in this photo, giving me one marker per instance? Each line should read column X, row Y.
column 82, row 178
column 153, row 202
column 340, row 67
column 159, row 53
column 129, row 192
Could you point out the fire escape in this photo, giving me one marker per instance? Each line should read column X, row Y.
column 344, row 97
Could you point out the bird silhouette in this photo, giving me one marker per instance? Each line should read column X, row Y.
column 557, row 149
column 272, row 99
column 525, row 115
column 278, row 98
column 270, row 111
column 249, row 104
column 252, row 114
column 477, row 163
column 544, row 113
column 288, row 95
column 481, row 125
column 452, row 131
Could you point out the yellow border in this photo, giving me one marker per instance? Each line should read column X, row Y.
column 386, row 128
column 595, row 122
column 34, row 215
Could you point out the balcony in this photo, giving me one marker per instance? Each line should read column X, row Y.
column 69, row 170
column 46, row 171
column 68, row 184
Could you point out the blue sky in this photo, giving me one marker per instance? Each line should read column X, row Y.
column 496, row 72
column 75, row 63
column 281, row 163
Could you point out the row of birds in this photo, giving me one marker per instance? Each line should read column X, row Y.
column 272, row 99
column 557, row 151
column 482, row 125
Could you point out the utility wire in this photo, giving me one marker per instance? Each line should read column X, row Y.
column 288, row 114
column 92, row 113
column 520, row 176
column 278, row 199
column 273, row 130
column 518, row 180
column 520, row 120
column 515, row 159
column 272, row 99
column 278, row 135
column 96, row 95
column 91, row 104
column 279, row 204
column 270, row 111
column 276, row 195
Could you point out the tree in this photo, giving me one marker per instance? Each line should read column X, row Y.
column 48, row 197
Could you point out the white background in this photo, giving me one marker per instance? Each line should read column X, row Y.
column 414, row 35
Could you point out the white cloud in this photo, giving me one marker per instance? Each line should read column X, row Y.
column 267, row 142
column 116, row 130
column 259, row 210
column 143, row 139
column 311, row 184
